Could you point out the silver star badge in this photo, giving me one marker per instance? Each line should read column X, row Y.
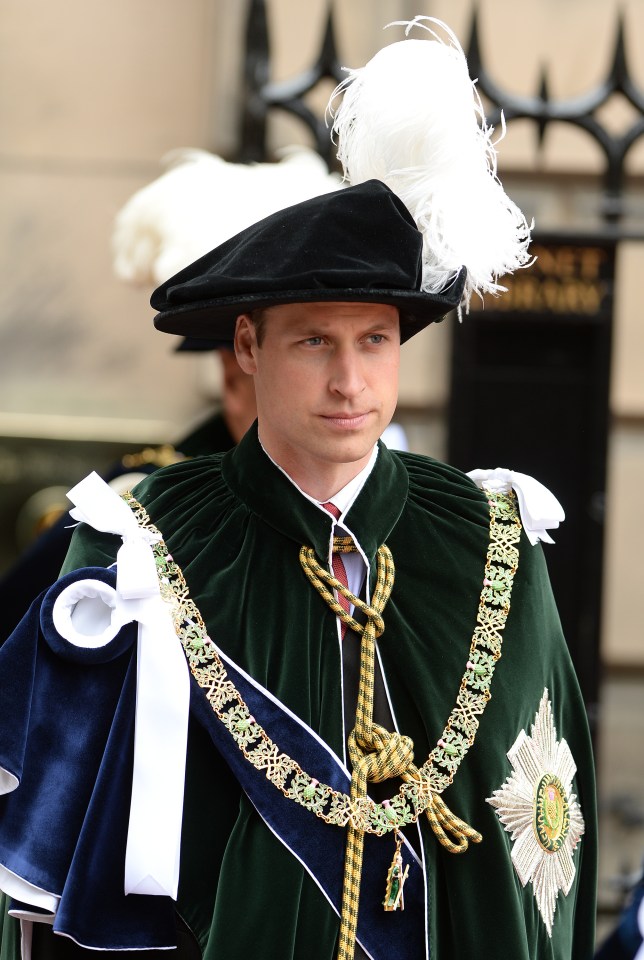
column 537, row 807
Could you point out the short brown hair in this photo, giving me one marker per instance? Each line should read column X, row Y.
column 258, row 320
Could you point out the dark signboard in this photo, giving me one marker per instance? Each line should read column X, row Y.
column 573, row 280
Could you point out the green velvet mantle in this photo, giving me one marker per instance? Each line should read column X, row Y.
column 235, row 523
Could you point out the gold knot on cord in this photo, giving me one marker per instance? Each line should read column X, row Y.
column 376, row 753
column 380, row 756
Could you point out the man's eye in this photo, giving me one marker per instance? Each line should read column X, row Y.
column 376, row 338
column 313, row 341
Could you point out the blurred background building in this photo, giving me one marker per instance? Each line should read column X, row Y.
column 93, row 95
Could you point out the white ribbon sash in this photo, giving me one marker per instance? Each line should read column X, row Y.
column 163, row 691
column 538, row 507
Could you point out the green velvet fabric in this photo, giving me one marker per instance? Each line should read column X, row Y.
column 9, row 933
column 235, row 524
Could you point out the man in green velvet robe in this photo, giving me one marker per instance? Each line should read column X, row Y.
column 383, row 711
column 466, row 712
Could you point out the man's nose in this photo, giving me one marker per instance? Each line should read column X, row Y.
column 347, row 375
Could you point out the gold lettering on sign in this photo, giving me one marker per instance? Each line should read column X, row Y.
column 563, row 279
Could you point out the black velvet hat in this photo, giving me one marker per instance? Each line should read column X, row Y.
column 355, row 244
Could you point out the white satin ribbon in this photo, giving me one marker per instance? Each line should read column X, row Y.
column 162, row 696
column 640, row 926
column 538, row 507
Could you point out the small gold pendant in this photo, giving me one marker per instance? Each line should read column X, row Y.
column 396, row 876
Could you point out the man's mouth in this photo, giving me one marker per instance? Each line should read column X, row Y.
column 346, row 420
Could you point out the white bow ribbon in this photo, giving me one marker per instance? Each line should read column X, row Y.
column 538, row 507
column 162, row 696
column 136, row 571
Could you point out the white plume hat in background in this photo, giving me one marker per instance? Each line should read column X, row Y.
column 202, row 200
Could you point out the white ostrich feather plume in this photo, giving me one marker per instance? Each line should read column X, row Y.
column 412, row 117
column 201, row 201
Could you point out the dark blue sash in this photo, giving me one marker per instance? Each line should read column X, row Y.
column 317, row 845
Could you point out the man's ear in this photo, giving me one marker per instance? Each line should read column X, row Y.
column 246, row 343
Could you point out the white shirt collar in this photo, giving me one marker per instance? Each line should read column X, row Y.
column 345, row 497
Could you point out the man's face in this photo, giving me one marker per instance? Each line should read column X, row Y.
column 326, row 381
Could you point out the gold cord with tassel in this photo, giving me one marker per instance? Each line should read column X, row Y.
column 376, row 753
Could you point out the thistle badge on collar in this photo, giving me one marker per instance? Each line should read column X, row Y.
column 537, row 807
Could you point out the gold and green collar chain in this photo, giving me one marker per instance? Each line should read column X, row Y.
column 420, row 792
